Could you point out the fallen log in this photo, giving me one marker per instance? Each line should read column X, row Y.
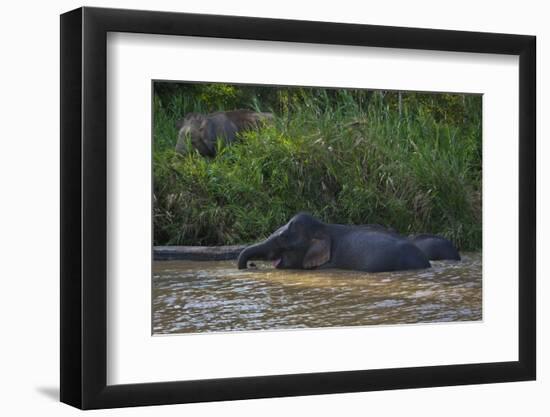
column 196, row 253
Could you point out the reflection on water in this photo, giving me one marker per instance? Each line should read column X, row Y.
column 190, row 297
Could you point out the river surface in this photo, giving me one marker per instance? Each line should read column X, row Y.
column 194, row 297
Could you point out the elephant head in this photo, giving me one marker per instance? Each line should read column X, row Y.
column 302, row 243
column 192, row 128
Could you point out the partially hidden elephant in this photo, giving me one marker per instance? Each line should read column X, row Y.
column 307, row 243
column 435, row 247
column 203, row 130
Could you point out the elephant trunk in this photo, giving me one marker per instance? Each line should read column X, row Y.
column 262, row 250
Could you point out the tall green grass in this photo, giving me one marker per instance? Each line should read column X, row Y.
column 341, row 159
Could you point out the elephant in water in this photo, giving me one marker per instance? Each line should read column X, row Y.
column 435, row 247
column 204, row 130
column 307, row 243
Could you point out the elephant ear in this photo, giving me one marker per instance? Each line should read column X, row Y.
column 318, row 253
column 209, row 143
column 204, row 128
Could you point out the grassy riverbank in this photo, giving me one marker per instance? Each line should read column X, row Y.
column 412, row 162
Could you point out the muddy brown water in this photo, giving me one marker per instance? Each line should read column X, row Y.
column 193, row 296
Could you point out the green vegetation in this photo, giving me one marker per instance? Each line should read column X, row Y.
column 407, row 160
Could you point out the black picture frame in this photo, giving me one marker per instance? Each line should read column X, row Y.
column 84, row 207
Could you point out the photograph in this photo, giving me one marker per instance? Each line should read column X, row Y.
column 301, row 207
column 261, row 206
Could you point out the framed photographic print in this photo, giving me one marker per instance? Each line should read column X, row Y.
column 256, row 208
